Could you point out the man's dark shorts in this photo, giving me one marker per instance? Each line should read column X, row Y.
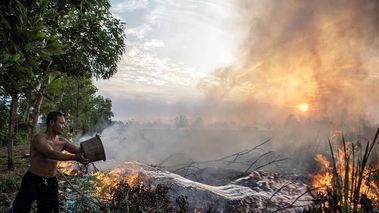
column 44, row 190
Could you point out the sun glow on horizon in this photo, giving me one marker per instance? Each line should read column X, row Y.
column 303, row 107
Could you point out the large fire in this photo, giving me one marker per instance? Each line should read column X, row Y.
column 103, row 182
column 325, row 181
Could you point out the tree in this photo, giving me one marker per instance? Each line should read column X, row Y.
column 93, row 41
column 42, row 39
column 24, row 47
column 4, row 117
column 101, row 114
column 93, row 112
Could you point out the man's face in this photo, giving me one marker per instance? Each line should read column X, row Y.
column 59, row 125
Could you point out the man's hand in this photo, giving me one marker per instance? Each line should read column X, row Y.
column 81, row 159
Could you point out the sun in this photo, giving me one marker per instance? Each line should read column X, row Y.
column 303, row 107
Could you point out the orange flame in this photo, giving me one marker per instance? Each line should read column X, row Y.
column 323, row 180
column 66, row 167
column 132, row 179
column 105, row 181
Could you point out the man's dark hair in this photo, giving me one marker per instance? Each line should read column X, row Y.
column 52, row 116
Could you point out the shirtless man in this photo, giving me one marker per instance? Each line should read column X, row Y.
column 39, row 183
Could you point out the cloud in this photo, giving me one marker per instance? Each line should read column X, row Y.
column 203, row 34
column 138, row 32
column 154, row 43
column 143, row 74
column 170, row 46
column 129, row 5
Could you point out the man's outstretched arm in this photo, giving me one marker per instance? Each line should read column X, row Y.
column 45, row 149
column 70, row 147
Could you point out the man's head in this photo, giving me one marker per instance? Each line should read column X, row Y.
column 55, row 122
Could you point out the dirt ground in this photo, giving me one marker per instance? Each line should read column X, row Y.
column 10, row 180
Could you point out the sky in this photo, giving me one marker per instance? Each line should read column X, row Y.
column 171, row 46
column 247, row 60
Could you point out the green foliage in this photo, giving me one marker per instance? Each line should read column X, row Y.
column 9, row 183
column 93, row 38
column 33, row 34
column 71, row 94
column 26, row 44
column 100, row 115
column 82, row 204
column 23, row 133
column 43, row 40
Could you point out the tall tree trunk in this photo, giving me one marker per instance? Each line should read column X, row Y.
column 60, row 102
column 28, row 106
column 77, row 109
column 37, row 111
column 11, row 129
column 37, row 108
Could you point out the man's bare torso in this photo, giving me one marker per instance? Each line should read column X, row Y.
column 40, row 165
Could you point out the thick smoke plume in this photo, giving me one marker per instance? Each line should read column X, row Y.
column 324, row 53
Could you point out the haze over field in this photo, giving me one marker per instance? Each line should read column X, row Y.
column 299, row 70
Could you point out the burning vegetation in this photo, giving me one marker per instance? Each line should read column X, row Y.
column 113, row 191
column 136, row 187
column 348, row 182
